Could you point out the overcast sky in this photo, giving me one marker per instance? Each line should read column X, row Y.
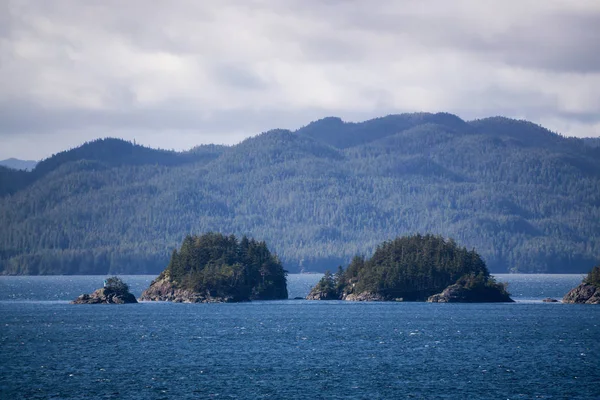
column 175, row 74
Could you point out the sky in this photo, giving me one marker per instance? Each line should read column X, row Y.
column 176, row 74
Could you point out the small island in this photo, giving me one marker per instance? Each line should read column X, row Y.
column 115, row 291
column 413, row 268
column 588, row 292
column 213, row 268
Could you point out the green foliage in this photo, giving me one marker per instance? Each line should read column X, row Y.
column 593, row 277
column 116, row 285
column 527, row 199
column 223, row 266
column 414, row 268
column 326, row 283
column 484, row 288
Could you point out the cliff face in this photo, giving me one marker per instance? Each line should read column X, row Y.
column 583, row 294
column 105, row 296
column 163, row 289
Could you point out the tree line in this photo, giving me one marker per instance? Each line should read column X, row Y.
column 526, row 198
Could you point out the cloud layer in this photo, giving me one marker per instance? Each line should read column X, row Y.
column 177, row 74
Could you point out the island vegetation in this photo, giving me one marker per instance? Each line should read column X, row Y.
column 218, row 268
column 593, row 277
column 588, row 292
column 115, row 291
column 414, row 268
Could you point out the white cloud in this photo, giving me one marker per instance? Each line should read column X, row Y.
column 218, row 71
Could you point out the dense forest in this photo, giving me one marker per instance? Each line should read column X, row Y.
column 227, row 268
column 593, row 277
column 412, row 268
column 526, row 198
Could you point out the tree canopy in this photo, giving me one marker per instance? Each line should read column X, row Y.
column 593, row 277
column 411, row 268
column 116, row 285
column 227, row 267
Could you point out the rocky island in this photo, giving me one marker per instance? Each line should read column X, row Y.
column 115, row 291
column 414, row 268
column 588, row 292
column 214, row 268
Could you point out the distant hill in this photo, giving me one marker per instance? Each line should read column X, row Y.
column 102, row 154
column 527, row 199
column 15, row 163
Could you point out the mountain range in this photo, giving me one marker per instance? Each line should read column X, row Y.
column 15, row 163
column 527, row 199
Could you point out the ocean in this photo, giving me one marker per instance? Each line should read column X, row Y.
column 295, row 349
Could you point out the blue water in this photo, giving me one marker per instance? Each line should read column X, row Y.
column 295, row 349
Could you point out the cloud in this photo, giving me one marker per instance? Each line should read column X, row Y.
column 185, row 72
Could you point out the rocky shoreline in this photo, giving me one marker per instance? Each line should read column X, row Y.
column 162, row 289
column 105, row 296
column 452, row 294
column 459, row 294
column 585, row 293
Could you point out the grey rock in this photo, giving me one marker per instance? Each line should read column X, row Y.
column 105, row 296
column 583, row 294
column 364, row 296
column 322, row 295
column 459, row 294
column 163, row 289
column 550, row 300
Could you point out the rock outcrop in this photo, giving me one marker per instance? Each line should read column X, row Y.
column 162, row 289
column 364, row 296
column 322, row 295
column 550, row 300
column 458, row 293
column 585, row 293
column 105, row 296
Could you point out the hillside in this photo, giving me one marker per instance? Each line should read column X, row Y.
column 527, row 199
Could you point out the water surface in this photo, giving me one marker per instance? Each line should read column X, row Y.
column 294, row 348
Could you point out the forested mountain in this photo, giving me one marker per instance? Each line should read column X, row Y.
column 594, row 142
column 103, row 153
column 525, row 198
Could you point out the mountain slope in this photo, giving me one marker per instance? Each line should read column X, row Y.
column 527, row 199
column 107, row 152
column 340, row 134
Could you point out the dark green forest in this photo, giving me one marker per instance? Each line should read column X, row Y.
column 412, row 268
column 226, row 267
column 526, row 198
column 593, row 277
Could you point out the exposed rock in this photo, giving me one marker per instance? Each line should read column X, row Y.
column 162, row 289
column 364, row 296
column 459, row 294
column 322, row 295
column 105, row 296
column 583, row 294
column 550, row 300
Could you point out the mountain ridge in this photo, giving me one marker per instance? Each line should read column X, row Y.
column 15, row 163
column 526, row 198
